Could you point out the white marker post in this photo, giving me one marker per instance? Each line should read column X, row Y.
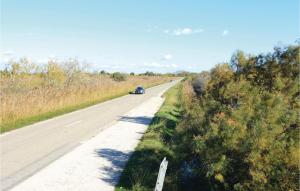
column 161, row 175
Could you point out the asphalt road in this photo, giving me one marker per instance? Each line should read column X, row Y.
column 27, row 150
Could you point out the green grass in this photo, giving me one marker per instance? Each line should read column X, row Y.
column 48, row 115
column 142, row 168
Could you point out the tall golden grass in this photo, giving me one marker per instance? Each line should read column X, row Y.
column 24, row 95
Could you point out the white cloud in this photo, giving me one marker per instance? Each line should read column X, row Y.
column 8, row 53
column 167, row 31
column 167, row 57
column 182, row 31
column 173, row 65
column 185, row 31
column 159, row 65
column 6, row 56
column 225, row 32
column 153, row 64
column 111, row 66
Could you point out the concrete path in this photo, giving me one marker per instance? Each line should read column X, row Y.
column 93, row 163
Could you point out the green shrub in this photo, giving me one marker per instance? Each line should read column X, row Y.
column 117, row 76
column 243, row 134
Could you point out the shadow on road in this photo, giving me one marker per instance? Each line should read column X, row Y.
column 117, row 160
column 140, row 119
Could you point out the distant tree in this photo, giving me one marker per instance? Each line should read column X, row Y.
column 132, row 73
column 71, row 68
column 148, row 73
column 55, row 75
column 169, row 74
column 117, row 76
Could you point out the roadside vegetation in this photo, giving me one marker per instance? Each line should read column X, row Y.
column 31, row 93
column 241, row 129
column 142, row 168
column 235, row 128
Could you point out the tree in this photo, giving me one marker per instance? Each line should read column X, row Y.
column 71, row 69
column 55, row 74
column 117, row 76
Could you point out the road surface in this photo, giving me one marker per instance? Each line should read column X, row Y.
column 28, row 150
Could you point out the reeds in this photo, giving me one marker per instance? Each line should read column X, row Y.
column 23, row 96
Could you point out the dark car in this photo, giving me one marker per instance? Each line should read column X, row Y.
column 139, row 90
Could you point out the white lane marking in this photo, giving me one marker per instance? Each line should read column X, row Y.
column 73, row 123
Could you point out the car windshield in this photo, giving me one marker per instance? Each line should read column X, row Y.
column 139, row 88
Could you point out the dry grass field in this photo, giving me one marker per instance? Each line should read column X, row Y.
column 27, row 97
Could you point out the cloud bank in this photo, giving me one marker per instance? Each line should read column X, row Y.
column 182, row 31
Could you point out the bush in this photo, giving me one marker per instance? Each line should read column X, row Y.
column 102, row 72
column 148, row 73
column 243, row 133
column 117, row 76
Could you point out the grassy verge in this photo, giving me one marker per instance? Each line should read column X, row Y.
column 48, row 115
column 141, row 170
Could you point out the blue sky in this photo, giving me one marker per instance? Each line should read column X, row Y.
column 140, row 35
